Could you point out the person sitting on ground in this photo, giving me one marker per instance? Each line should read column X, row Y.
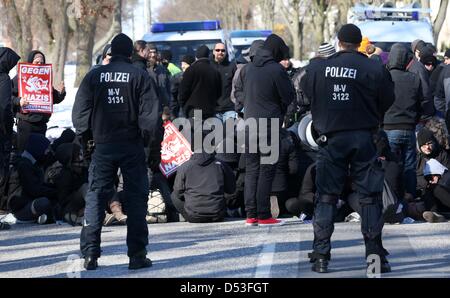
column 71, row 183
column 199, row 189
column 437, row 194
column 30, row 198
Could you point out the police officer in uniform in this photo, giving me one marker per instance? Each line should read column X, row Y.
column 350, row 93
column 117, row 105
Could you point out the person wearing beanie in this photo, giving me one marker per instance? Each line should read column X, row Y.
column 429, row 148
column 423, row 55
column 268, row 92
column 175, row 84
column 237, row 92
column 33, row 122
column 118, row 109
column 166, row 61
column 326, row 50
column 227, row 70
column 401, row 119
column 201, row 86
column 30, row 197
column 339, row 85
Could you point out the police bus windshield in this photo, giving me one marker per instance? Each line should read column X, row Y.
column 182, row 48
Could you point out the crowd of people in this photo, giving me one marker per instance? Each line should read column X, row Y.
column 76, row 178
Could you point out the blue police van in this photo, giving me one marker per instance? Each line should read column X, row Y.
column 183, row 38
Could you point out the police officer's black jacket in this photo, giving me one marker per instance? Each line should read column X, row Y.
column 227, row 70
column 8, row 59
column 201, row 183
column 118, row 103
column 348, row 91
column 409, row 103
column 36, row 118
column 268, row 91
column 200, row 88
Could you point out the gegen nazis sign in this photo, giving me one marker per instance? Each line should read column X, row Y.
column 35, row 87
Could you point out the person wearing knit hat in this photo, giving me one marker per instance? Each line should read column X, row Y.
column 339, row 84
column 326, row 50
column 122, row 45
column 117, row 108
column 426, row 141
column 428, row 58
column 166, row 61
column 187, row 61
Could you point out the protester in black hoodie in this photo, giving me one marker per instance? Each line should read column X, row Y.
column 8, row 59
column 227, row 69
column 29, row 196
column 200, row 186
column 201, row 86
column 33, row 122
column 417, row 67
column 408, row 108
column 268, row 86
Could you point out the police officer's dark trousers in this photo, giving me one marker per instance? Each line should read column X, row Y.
column 348, row 153
column 107, row 158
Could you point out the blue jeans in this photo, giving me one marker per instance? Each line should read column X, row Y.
column 403, row 143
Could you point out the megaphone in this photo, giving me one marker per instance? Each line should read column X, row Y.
column 306, row 132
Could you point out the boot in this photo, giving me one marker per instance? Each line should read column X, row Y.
column 116, row 209
column 90, row 263
column 139, row 263
column 320, row 266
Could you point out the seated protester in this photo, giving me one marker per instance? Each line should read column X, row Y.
column 393, row 178
column 67, row 136
column 304, row 203
column 71, row 183
column 428, row 149
column 30, row 198
column 199, row 189
column 287, row 166
column 437, row 193
column 159, row 182
column 115, row 211
column 438, row 127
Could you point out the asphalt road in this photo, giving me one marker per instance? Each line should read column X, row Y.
column 224, row 250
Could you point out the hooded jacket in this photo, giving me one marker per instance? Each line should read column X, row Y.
column 36, row 118
column 348, row 91
column 409, row 103
column 8, row 59
column 200, row 88
column 227, row 70
column 203, row 181
column 419, row 69
column 268, row 91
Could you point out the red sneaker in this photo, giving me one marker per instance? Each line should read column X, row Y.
column 251, row 222
column 270, row 222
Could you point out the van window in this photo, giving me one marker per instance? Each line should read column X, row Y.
column 185, row 47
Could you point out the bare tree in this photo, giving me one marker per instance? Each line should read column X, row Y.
column 291, row 12
column 116, row 27
column 440, row 19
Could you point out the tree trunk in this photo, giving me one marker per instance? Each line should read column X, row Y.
column 116, row 27
column 440, row 19
column 296, row 28
column 148, row 14
column 59, row 31
column 85, row 43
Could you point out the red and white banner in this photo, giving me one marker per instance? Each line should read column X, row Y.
column 35, row 86
column 176, row 150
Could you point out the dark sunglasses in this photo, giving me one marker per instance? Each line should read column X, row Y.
column 220, row 50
